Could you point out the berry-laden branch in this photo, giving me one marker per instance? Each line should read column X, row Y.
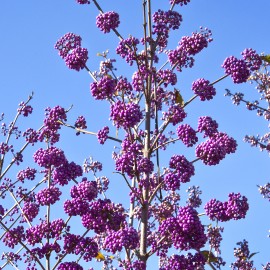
column 138, row 146
column 259, row 77
column 67, row 220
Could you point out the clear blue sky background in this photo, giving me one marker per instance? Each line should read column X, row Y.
column 29, row 62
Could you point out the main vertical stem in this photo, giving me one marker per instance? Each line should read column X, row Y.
column 147, row 154
column 145, row 206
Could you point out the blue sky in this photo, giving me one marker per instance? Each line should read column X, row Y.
column 29, row 62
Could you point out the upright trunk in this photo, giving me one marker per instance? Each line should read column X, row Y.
column 145, row 206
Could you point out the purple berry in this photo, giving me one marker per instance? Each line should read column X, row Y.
column 252, row 59
column 125, row 115
column 77, row 58
column 107, row 21
column 187, row 135
column 103, row 89
column 207, row 125
column 203, row 89
column 237, row 69
column 67, row 43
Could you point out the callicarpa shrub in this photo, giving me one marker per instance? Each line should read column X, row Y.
column 261, row 79
column 56, row 214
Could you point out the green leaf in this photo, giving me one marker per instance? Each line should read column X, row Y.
column 209, row 256
column 178, row 98
column 266, row 58
column 252, row 254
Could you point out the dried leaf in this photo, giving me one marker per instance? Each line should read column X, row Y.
column 178, row 98
column 100, row 256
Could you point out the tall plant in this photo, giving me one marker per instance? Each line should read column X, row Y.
column 149, row 114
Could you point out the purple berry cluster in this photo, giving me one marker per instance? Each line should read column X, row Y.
column 66, row 172
column 52, row 124
column 207, row 125
column 242, row 255
column 14, row 236
column 127, row 49
column 84, row 246
column 12, row 257
column 196, row 42
column 103, row 89
column 166, row 76
column 76, row 207
column 48, row 196
column 164, row 21
column 194, row 199
column 228, row 143
column 214, row 238
column 28, row 173
column 77, row 58
column 235, row 208
column 138, row 80
column 31, row 136
column 145, row 165
column 123, row 86
column 30, row 210
column 124, row 238
column 106, row 66
column 124, row 164
column 49, row 157
column 4, row 148
column 203, row 89
column 185, row 231
column 213, row 150
column 125, row 115
column 188, row 46
column 80, row 123
column 187, row 135
column 82, row 195
column 87, row 190
column 103, row 215
column 69, row 265
column 69, row 47
column 182, row 168
column 102, row 135
column 180, row 59
column 44, row 230
column 67, row 43
column 175, row 114
column 24, row 109
column 237, row 69
column 131, row 155
column 134, row 265
column 171, row 181
column 188, row 262
column 45, row 250
column 252, row 59
column 107, row 21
